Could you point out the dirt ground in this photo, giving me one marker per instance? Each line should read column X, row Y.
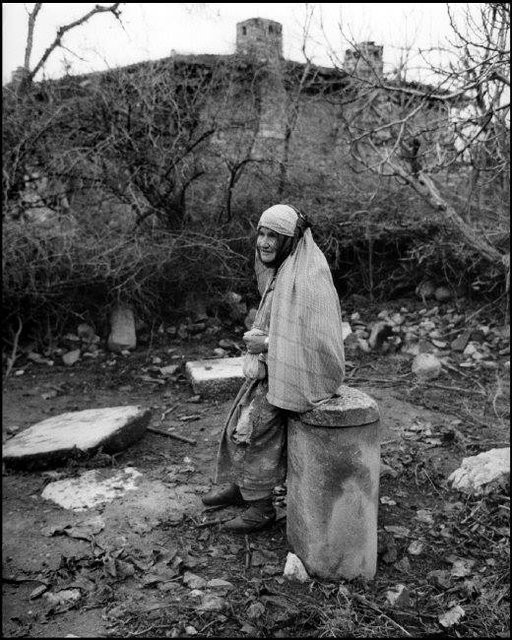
column 134, row 577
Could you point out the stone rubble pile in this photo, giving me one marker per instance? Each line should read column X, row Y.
column 433, row 337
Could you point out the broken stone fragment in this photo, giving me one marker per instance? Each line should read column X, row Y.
column 482, row 473
column 71, row 357
column 346, row 330
column 57, row 439
column 294, row 569
column 425, row 290
column 86, row 332
column 442, row 294
column 459, row 344
column 426, row 366
column 380, row 331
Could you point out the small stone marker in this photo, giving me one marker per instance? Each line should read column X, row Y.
column 54, row 440
column 122, row 335
column 219, row 376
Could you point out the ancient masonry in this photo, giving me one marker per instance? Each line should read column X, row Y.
column 262, row 40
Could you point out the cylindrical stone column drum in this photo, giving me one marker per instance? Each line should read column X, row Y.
column 333, row 486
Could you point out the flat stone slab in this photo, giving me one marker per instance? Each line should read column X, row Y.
column 91, row 488
column 350, row 408
column 216, row 377
column 54, row 440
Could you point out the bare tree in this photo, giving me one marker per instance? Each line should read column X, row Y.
column 428, row 136
column 30, row 73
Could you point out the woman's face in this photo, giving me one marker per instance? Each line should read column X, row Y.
column 267, row 244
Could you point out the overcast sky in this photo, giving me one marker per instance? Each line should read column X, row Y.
column 154, row 30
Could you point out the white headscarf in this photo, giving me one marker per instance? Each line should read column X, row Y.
column 305, row 359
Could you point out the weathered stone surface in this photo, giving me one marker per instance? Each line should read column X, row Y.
column 91, row 488
column 294, row 569
column 426, row 366
column 482, row 473
column 215, row 377
column 332, row 499
column 122, row 335
column 54, row 440
column 442, row 294
column 349, row 409
column 459, row 344
column 71, row 357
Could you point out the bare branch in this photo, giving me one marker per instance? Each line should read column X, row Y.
column 61, row 31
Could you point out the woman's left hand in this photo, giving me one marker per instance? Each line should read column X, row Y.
column 255, row 343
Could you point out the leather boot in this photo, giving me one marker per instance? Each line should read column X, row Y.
column 224, row 495
column 260, row 514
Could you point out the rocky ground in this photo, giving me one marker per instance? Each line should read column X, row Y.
column 153, row 562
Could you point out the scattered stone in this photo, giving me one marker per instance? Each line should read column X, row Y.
column 190, row 630
column 399, row 596
column 63, row 598
column 38, row 358
column 415, row 548
column 217, row 583
column 426, row 366
column 424, row 515
column 71, row 357
column 351, row 344
column 452, row 616
column 169, row 370
column 193, row 581
column 294, row 569
column 12, row 429
column 425, row 290
column 56, row 439
column 122, row 335
column 255, row 610
column 211, row 602
column 442, row 294
column 363, row 345
column 91, row 488
column 346, row 330
column 459, row 344
column 482, row 473
column 380, row 331
column 86, row 333
column 38, row 591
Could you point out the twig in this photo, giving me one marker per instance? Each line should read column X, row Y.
column 248, row 554
column 429, row 479
column 449, row 366
column 365, row 602
column 167, row 411
column 162, row 432
column 12, row 359
column 447, row 388
column 379, row 380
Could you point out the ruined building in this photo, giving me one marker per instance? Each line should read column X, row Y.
column 224, row 135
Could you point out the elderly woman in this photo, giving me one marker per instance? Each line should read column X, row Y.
column 294, row 361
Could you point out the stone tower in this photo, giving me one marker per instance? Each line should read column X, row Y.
column 260, row 38
column 364, row 60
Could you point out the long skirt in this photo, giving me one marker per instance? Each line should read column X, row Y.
column 252, row 450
